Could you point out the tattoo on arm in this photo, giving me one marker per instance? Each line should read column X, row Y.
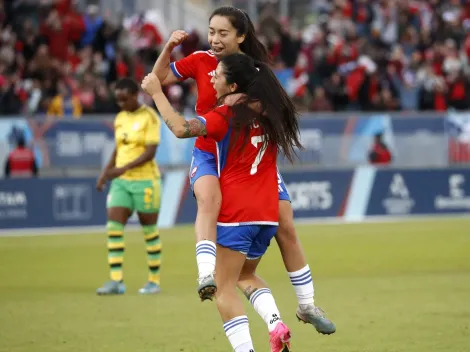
column 194, row 128
column 249, row 291
column 169, row 124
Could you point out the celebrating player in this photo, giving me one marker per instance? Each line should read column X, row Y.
column 231, row 31
column 247, row 145
column 135, row 186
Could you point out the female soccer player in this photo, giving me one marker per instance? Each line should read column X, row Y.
column 135, row 186
column 247, row 145
column 231, row 31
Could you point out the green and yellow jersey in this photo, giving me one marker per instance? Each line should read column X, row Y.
column 134, row 131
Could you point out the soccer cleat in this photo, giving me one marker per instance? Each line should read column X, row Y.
column 279, row 338
column 309, row 314
column 207, row 288
column 150, row 288
column 112, row 288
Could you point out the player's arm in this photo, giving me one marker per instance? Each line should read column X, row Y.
column 104, row 173
column 162, row 68
column 176, row 122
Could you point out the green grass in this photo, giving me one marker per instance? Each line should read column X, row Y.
column 388, row 287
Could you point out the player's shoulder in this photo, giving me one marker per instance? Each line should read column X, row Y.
column 204, row 57
column 223, row 108
column 203, row 54
column 119, row 117
column 148, row 113
column 149, row 110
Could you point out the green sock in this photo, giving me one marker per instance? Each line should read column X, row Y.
column 115, row 249
column 154, row 251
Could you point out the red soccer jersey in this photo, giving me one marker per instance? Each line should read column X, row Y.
column 247, row 173
column 200, row 66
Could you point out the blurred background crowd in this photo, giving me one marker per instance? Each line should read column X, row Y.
column 59, row 59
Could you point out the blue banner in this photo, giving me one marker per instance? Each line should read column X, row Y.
column 84, row 143
column 415, row 140
column 345, row 140
column 39, row 203
column 403, row 192
column 318, row 194
column 352, row 194
column 78, row 143
column 313, row 195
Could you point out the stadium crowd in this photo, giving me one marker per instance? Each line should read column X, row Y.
column 360, row 55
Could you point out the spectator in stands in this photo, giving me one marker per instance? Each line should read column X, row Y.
column 380, row 154
column 320, row 101
column 417, row 54
column 65, row 103
column 21, row 161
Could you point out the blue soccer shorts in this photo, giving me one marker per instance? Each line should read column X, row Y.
column 204, row 163
column 251, row 240
column 283, row 194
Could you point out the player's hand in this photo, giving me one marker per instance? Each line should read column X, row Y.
column 151, row 84
column 100, row 184
column 115, row 172
column 176, row 38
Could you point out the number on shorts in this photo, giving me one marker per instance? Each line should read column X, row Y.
column 255, row 140
column 148, row 193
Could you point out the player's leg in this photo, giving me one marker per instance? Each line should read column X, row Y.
column 258, row 293
column 230, row 261
column 146, row 195
column 297, row 267
column 119, row 208
column 205, row 185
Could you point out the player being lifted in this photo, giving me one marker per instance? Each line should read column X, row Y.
column 231, row 31
column 135, row 186
column 247, row 143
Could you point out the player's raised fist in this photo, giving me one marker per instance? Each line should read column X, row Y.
column 151, row 84
column 176, row 38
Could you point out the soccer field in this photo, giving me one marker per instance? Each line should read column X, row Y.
column 388, row 287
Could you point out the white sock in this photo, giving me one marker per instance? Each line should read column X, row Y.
column 264, row 304
column 205, row 257
column 303, row 285
column 238, row 333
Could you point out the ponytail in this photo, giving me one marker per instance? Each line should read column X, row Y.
column 252, row 46
column 264, row 101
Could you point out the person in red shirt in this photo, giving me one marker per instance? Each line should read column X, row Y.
column 380, row 154
column 56, row 32
column 21, row 161
column 247, row 142
column 231, row 31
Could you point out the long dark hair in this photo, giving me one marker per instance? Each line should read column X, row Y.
column 240, row 20
column 263, row 101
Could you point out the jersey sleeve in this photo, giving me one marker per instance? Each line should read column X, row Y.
column 185, row 68
column 216, row 122
column 152, row 131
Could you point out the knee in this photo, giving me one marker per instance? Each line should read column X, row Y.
column 224, row 295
